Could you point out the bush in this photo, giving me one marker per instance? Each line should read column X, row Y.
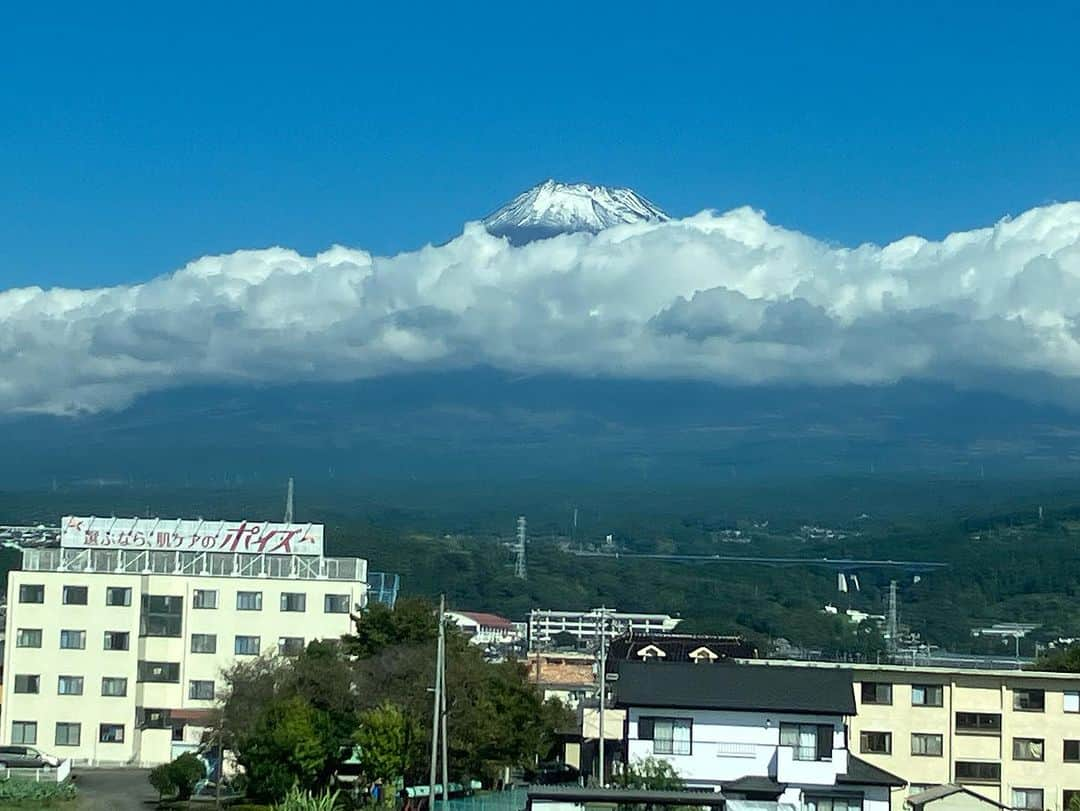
column 178, row 777
column 297, row 800
column 15, row 790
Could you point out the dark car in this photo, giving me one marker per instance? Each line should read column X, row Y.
column 25, row 757
column 554, row 774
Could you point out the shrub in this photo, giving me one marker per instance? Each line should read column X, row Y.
column 40, row 794
column 161, row 779
column 178, row 777
column 297, row 800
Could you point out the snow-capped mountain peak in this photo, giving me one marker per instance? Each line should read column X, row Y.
column 554, row 208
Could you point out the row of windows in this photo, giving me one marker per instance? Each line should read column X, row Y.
column 170, row 606
column 67, row 733
column 674, row 736
column 932, row 695
column 116, row 686
column 931, row 745
column 121, row 641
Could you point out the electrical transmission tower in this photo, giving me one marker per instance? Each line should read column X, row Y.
column 519, row 550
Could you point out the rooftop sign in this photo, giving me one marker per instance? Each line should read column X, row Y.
column 247, row 537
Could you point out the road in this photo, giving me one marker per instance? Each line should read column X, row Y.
column 114, row 790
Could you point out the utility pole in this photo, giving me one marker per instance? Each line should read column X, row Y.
column 289, row 503
column 436, row 709
column 442, row 707
column 602, row 617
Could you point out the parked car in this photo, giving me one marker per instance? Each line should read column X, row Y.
column 25, row 757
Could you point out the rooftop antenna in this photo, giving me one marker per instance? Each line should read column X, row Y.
column 289, row 503
column 519, row 550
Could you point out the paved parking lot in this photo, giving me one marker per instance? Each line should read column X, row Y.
column 114, row 790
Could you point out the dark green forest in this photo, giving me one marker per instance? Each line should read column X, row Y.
column 1004, row 563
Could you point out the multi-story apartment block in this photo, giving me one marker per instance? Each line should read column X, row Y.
column 118, row 639
column 1011, row 736
column 584, row 626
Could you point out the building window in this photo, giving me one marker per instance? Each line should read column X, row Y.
column 979, row 723
column 249, row 601
column 75, row 595
column 153, row 718
column 670, row 736
column 926, row 744
column 811, row 803
column 24, row 732
column 204, row 598
column 201, row 690
column 875, row 743
column 70, row 686
column 27, row 683
column 111, row 733
column 290, row 645
column 159, row 672
column 293, row 601
column 114, row 686
column 927, row 695
column 336, row 604
column 1071, row 752
column 1028, row 748
column 117, row 640
column 1028, row 798
column 68, row 734
column 974, row 771
column 28, row 638
column 204, row 643
column 73, row 640
column 31, row 594
column 1072, row 701
column 1067, row 797
column 246, row 646
column 1029, row 700
column 161, row 615
column 876, row 692
column 809, row 741
column 118, row 596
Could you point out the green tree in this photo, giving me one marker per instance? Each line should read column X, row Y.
column 649, row 774
column 1060, row 660
column 391, row 742
column 411, row 621
column 290, row 745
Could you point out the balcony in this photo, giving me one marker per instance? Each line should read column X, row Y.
column 201, row 564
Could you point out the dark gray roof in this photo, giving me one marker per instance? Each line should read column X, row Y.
column 727, row 686
column 621, row 796
column 947, row 790
column 866, row 774
column 754, row 784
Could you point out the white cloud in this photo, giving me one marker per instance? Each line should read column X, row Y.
column 725, row 297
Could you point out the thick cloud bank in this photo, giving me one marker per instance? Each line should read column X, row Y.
column 727, row 297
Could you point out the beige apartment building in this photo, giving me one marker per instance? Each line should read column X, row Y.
column 1011, row 736
column 115, row 655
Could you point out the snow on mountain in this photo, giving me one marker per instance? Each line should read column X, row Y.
column 554, row 208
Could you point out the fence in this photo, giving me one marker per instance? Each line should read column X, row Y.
column 509, row 800
column 45, row 774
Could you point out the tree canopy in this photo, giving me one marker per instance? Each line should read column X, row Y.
column 292, row 720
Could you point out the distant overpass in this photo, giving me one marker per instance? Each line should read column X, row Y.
column 839, row 564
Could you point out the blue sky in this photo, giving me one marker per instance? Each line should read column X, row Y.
column 133, row 139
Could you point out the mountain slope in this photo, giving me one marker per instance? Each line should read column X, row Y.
column 554, row 208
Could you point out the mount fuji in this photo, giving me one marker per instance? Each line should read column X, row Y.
column 553, row 208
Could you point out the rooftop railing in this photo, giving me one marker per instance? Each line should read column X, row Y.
column 203, row 564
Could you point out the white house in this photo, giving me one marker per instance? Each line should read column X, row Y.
column 769, row 734
column 485, row 629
